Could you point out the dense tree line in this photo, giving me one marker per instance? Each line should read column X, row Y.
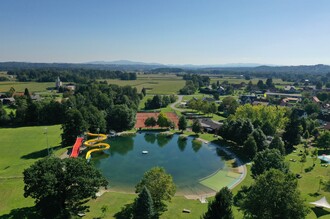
column 159, row 101
column 69, row 75
column 202, row 106
column 194, row 82
column 99, row 106
column 93, row 107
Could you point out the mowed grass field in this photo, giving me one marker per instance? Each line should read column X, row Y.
column 19, row 148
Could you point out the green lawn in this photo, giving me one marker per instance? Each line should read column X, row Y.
column 309, row 183
column 21, row 147
column 115, row 202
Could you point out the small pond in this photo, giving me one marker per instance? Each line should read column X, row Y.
column 187, row 161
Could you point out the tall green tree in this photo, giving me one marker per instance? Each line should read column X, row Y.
column 150, row 122
column 228, row 105
column 260, row 139
column 196, row 126
column 182, row 123
column 250, row 147
column 163, row 121
column 143, row 205
column 160, row 185
column 274, row 195
column 278, row 144
column 94, row 118
column 220, row 207
column 27, row 93
column 121, row 118
column 269, row 83
column 73, row 126
column 293, row 131
column 266, row 160
column 261, row 85
column 323, row 141
column 62, row 187
column 268, row 128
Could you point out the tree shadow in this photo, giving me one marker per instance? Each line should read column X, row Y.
column 319, row 212
column 315, row 194
column 21, row 213
column 40, row 153
column 233, row 150
column 126, row 212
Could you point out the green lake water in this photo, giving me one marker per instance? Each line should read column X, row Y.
column 124, row 164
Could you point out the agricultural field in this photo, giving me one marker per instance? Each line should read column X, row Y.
column 238, row 80
column 155, row 84
column 20, row 86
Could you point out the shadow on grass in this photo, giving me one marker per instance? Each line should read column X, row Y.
column 319, row 212
column 21, row 213
column 126, row 212
column 40, row 153
column 315, row 194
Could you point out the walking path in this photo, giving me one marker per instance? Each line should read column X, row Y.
column 175, row 103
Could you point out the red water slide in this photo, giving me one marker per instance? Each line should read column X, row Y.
column 76, row 147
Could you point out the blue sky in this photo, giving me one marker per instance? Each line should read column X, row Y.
column 283, row 32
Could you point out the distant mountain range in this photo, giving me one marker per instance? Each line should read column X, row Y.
column 128, row 62
column 121, row 62
column 126, row 65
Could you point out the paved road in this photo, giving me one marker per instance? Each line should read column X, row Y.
column 175, row 103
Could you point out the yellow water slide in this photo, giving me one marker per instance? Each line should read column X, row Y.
column 96, row 144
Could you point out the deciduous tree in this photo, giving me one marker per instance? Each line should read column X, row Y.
column 73, row 126
column 278, row 144
column 62, row 187
column 120, row 118
column 274, row 195
column 323, row 141
column 150, row 122
column 163, row 121
column 160, row 185
column 266, row 160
